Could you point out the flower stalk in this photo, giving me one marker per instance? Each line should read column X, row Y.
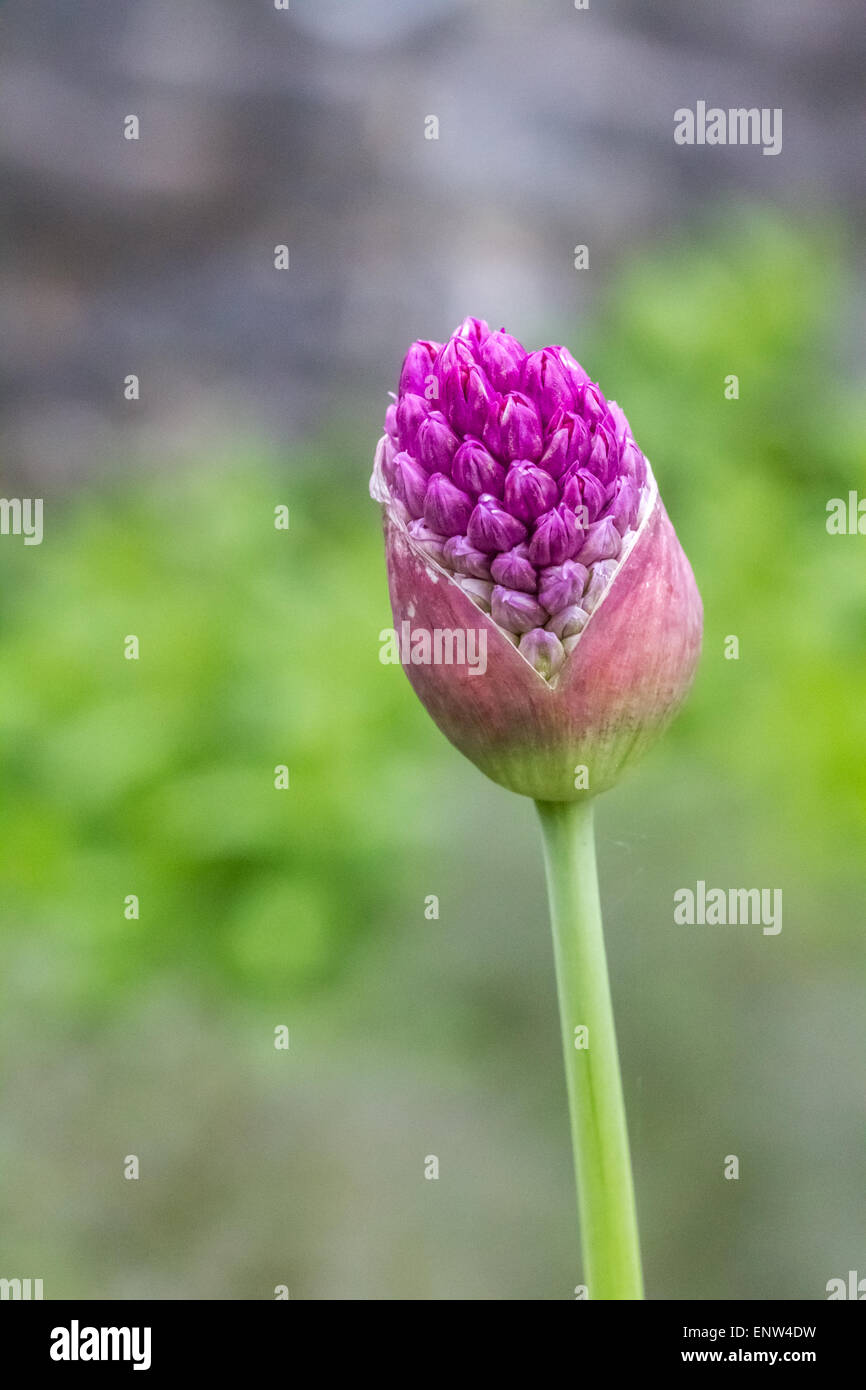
column 605, row 1190
column 518, row 510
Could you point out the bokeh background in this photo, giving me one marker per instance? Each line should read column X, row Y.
column 305, row 908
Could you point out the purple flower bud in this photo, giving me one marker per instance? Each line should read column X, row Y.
column 410, row 484
column 492, row 528
column 462, row 557
column 455, row 355
column 593, row 405
column 594, row 493
column 553, row 380
column 603, row 542
column 568, row 622
column 571, row 365
column 418, row 369
column 529, row 491
column 568, row 444
column 502, row 358
column 477, row 471
column 633, row 463
column 473, row 331
column 411, row 411
column 389, row 455
column 599, row 577
column 515, row 610
column 583, row 489
column 479, row 590
column 603, row 455
column 543, row 650
column 562, row 585
column 436, row 443
column 469, row 400
column 513, row 570
column 428, row 540
column 481, row 401
column 623, row 504
column 557, row 537
column 452, row 365
column 572, row 491
column 619, row 423
column 513, row 431
column 446, row 509
column 630, row 665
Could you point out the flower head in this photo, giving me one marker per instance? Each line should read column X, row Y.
column 516, row 498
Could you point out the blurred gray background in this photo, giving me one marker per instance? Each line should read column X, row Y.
column 306, row 128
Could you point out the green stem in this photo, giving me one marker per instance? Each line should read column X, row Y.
column 605, row 1192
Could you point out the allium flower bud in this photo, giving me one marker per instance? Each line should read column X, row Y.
column 389, row 456
column 479, row 590
column 456, row 356
column 603, row 542
column 468, row 395
column 446, row 509
column 462, row 557
column 600, row 576
column 561, row 585
column 593, row 406
column 515, row 610
column 632, row 463
column 529, row 490
column 593, row 629
column 491, row 528
column 580, row 488
column 428, row 540
column 623, row 504
column 502, row 358
column 476, row 470
column 557, row 537
column 515, row 570
column 410, row 483
column 569, row 443
column 473, row 331
column 619, row 424
column 418, row 368
column 568, row 622
column 480, row 400
column 436, row 443
column 553, row 380
column 543, row 650
column 513, row 431
column 603, row 454
column 411, row 411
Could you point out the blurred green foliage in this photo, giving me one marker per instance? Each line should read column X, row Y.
column 155, row 776
column 747, row 482
column 260, row 647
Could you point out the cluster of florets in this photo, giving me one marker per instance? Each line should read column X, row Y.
column 513, row 473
